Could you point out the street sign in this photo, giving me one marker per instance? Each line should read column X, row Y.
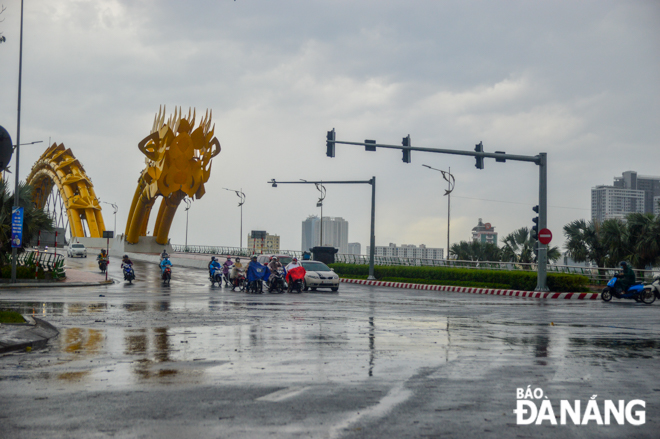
column 17, row 227
column 545, row 236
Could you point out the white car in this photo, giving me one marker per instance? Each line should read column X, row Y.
column 319, row 275
column 76, row 249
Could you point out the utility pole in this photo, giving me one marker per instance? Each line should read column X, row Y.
column 14, row 250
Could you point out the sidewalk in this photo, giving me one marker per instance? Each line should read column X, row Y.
column 33, row 334
column 74, row 278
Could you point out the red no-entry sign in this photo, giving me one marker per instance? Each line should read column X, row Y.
column 545, row 236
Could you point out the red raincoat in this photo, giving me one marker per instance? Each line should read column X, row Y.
column 295, row 274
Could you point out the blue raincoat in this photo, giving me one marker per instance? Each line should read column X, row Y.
column 257, row 271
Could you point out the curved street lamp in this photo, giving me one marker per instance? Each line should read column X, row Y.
column 241, row 196
column 449, row 178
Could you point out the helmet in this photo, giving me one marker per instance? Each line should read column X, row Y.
column 274, row 258
column 238, row 259
column 623, row 264
column 295, row 259
column 228, row 257
column 102, row 250
column 254, row 256
column 213, row 258
column 125, row 256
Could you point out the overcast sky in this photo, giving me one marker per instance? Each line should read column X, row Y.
column 579, row 80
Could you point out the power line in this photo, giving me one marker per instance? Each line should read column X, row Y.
column 515, row 202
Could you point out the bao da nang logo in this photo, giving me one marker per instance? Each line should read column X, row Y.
column 533, row 407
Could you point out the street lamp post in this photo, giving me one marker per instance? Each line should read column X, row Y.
column 241, row 196
column 449, row 178
column 14, row 250
column 372, row 182
column 187, row 201
column 115, row 208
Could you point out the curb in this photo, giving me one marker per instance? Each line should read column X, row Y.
column 512, row 293
column 38, row 334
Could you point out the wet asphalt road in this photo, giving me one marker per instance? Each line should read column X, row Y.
column 191, row 360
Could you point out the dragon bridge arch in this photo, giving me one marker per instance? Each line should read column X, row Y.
column 59, row 168
column 178, row 164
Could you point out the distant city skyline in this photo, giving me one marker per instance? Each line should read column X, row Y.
column 630, row 193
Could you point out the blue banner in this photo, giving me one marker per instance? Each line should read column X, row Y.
column 16, row 227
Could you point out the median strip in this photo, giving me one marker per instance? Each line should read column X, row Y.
column 496, row 292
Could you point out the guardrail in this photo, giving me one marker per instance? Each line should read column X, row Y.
column 51, row 262
column 596, row 275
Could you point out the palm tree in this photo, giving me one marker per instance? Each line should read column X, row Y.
column 643, row 234
column 475, row 251
column 584, row 242
column 615, row 238
column 519, row 247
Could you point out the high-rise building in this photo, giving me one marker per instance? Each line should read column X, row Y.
column 656, row 205
column 484, row 233
column 609, row 202
column 408, row 251
column 630, row 193
column 261, row 242
column 354, row 248
column 335, row 233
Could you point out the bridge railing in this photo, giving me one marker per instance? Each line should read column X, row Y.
column 50, row 262
column 596, row 275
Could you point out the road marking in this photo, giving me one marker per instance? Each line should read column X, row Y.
column 283, row 394
column 395, row 397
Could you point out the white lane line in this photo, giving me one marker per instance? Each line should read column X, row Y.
column 283, row 394
column 395, row 397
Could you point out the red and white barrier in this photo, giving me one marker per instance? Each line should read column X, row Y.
column 515, row 293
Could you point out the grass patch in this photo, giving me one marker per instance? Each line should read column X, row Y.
column 11, row 317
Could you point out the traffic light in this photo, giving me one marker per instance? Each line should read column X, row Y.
column 406, row 152
column 330, row 143
column 6, row 148
column 480, row 160
column 535, row 227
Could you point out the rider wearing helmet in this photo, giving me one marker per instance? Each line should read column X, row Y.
column 293, row 264
column 126, row 261
column 236, row 268
column 214, row 265
column 274, row 264
column 626, row 278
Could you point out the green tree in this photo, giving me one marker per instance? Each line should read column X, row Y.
column 475, row 251
column 519, row 247
column 33, row 219
column 643, row 237
column 584, row 242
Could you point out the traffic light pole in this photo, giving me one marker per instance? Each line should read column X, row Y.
column 372, row 182
column 499, row 156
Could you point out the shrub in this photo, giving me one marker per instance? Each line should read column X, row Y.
column 513, row 280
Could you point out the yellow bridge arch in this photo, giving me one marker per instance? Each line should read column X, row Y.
column 57, row 166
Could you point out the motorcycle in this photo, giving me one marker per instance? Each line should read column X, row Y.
column 256, row 275
column 276, row 281
column 129, row 273
column 296, row 278
column 167, row 275
column 239, row 281
column 225, row 275
column 635, row 292
column 103, row 265
column 654, row 289
column 215, row 275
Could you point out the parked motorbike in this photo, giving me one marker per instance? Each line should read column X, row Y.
column 652, row 288
column 129, row 273
column 167, row 275
column 276, row 281
column 215, row 275
column 635, row 292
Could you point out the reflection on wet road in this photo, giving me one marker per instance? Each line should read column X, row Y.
column 146, row 336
